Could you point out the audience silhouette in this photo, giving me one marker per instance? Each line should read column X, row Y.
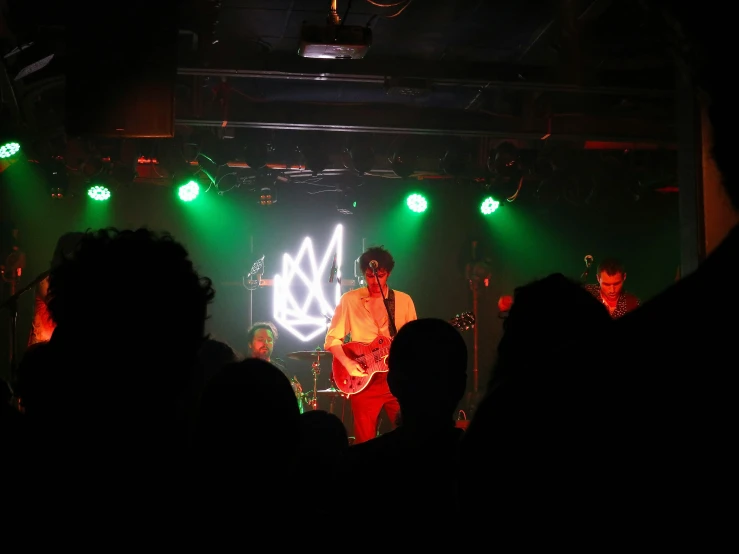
column 533, row 432
column 677, row 460
column 413, row 467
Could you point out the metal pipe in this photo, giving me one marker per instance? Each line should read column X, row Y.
column 521, row 84
column 460, row 132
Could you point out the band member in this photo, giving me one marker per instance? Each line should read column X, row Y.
column 361, row 316
column 261, row 339
column 43, row 326
column 609, row 291
column 611, row 276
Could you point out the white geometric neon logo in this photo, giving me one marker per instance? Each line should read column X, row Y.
column 307, row 317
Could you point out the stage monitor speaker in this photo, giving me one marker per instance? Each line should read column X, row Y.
column 121, row 69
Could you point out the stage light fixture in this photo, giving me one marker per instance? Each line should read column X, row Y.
column 9, row 149
column 315, row 156
column 267, row 196
column 489, row 205
column 416, row 203
column 256, row 153
column 363, row 158
column 189, row 191
column 99, row 193
column 504, row 161
column 57, row 177
column 403, row 164
column 455, row 161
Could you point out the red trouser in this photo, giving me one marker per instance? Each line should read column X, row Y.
column 367, row 405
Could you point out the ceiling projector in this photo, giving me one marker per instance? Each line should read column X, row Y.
column 334, row 42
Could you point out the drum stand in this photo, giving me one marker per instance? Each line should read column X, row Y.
column 315, row 357
column 316, row 370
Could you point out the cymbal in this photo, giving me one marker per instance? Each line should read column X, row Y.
column 328, row 391
column 307, row 354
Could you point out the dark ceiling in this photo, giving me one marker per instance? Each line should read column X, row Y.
column 465, row 67
column 591, row 74
column 599, row 34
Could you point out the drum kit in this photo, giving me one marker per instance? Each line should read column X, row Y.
column 311, row 397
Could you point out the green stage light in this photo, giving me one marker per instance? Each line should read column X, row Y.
column 417, row 203
column 489, row 205
column 99, row 193
column 189, row 191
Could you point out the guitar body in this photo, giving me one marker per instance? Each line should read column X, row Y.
column 373, row 359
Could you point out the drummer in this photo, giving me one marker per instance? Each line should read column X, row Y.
column 260, row 340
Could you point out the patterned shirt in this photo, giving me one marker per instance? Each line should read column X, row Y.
column 626, row 303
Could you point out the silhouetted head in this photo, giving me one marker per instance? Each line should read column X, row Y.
column 323, row 435
column 129, row 307
column 548, row 316
column 427, row 366
column 248, row 411
column 65, row 247
column 213, row 355
column 248, row 437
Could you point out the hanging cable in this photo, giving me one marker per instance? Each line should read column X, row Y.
column 385, row 5
column 404, row 4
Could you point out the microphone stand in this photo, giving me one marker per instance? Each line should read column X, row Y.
column 584, row 276
column 390, row 319
column 478, row 273
column 11, row 303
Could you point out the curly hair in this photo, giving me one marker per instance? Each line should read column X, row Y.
column 131, row 287
column 378, row 253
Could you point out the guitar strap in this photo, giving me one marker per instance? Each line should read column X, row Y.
column 391, row 313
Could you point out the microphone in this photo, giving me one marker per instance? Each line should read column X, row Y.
column 374, row 265
column 588, row 260
column 333, row 272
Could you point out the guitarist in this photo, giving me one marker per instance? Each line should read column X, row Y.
column 362, row 316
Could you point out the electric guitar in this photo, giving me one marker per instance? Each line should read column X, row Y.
column 373, row 357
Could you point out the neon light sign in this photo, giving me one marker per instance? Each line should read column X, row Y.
column 304, row 275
